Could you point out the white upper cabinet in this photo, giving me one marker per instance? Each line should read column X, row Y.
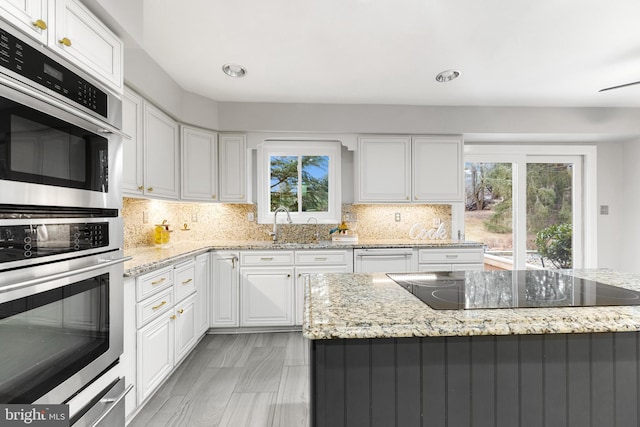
column 437, row 169
column 199, row 164
column 383, row 173
column 233, row 168
column 31, row 16
column 403, row 169
column 77, row 35
column 161, row 154
column 133, row 178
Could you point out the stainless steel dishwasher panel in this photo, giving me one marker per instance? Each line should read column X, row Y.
column 383, row 260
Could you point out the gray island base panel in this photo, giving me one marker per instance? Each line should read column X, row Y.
column 568, row 380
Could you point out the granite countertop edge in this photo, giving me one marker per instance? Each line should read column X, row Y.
column 149, row 258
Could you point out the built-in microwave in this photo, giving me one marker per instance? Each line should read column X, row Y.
column 60, row 143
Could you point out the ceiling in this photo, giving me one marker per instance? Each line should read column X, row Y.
column 510, row 52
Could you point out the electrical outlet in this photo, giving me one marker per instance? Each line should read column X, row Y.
column 194, row 217
column 436, row 222
column 604, row 209
column 250, row 217
column 398, row 219
column 145, row 217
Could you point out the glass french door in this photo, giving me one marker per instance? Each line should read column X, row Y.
column 525, row 209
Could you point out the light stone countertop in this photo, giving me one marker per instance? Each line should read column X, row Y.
column 148, row 258
column 361, row 305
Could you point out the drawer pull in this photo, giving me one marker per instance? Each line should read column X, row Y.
column 157, row 282
column 181, row 311
column 173, row 317
column 159, row 305
column 266, row 258
column 451, row 256
column 187, row 281
column 65, row 41
column 320, row 258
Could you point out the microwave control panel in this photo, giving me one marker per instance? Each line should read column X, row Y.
column 19, row 57
column 20, row 242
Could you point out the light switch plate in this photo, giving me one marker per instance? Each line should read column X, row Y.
column 398, row 219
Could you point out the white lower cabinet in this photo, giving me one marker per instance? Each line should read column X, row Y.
column 266, row 295
column 168, row 315
column 456, row 259
column 186, row 335
column 203, row 285
column 155, row 355
column 256, row 288
column 224, row 289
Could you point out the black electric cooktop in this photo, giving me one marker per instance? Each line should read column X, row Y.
column 467, row 290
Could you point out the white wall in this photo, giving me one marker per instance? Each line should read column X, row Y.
column 630, row 189
column 610, row 184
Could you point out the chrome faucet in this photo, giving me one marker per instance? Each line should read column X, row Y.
column 316, row 235
column 274, row 233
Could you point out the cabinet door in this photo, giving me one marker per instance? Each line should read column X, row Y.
column 224, row 290
column 161, row 154
column 185, row 324
column 302, row 273
column 132, row 177
column 233, row 168
column 82, row 39
column 266, row 296
column 199, row 164
column 28, row 15
column 202, row 292
column 383, row 169
column 437, row 169
column 155, row 355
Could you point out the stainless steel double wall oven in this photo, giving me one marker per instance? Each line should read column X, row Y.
column 61, row 261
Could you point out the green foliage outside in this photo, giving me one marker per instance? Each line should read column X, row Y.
column 554, row 243
column 312, row 183
column 549, row 199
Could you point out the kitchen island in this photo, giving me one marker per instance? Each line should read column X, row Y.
column 381, row 357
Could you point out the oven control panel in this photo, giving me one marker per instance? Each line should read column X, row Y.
column 19, row 57
column 21, row 242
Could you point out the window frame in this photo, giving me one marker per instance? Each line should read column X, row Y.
column 267, row 149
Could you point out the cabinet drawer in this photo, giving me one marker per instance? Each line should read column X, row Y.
column 266, row 258
column 321, row 257
column 152, row 307
column 450, row 255
column 151, row 283
column 184, row 280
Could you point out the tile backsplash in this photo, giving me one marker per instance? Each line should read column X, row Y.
column 214, row 221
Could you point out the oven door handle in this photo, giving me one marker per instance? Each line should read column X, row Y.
column 113, row 403
column 57, row 276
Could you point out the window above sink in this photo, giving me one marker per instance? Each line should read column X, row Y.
column 302, row 176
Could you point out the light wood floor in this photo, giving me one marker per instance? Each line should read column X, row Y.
column 236, row 380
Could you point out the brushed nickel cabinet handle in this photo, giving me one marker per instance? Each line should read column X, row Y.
column 264, row 258
column 320, row 258
column 159, row 305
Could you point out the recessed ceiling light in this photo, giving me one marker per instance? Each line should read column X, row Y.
column 447, row 76
column 234, row 70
